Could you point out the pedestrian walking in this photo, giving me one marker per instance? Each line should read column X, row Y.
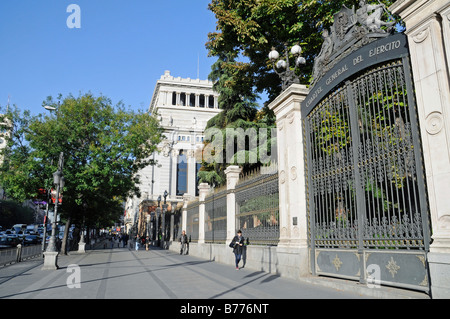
column 184, row 243
column 125, row 240
column 238, row 247
column 147, row 242
column 137, row 242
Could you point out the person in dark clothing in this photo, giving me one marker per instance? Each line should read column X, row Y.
column 137, row 240
column 125, row 240
column 147, row 242
column 238, row 246
column 184, row 243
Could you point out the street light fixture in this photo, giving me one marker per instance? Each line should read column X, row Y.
column 49, row 108
column 287, row 75
column 165, row 196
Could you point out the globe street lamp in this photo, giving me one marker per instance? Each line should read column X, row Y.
column 282, row 67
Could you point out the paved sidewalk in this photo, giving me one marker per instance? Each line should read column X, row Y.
column 121, row 273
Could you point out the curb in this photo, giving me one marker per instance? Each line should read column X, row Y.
column 382, row 292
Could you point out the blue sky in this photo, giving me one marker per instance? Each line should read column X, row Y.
column 120, row 51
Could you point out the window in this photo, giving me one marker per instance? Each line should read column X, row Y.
column 174, row 98
column 211, row 102
column 202, row 100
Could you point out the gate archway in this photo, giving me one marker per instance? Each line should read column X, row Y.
column 367, row 206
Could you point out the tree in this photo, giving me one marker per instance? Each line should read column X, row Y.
column 12, row 213
column 240, row 114
column 250, row 28
column 104, row 147
column 245, row 33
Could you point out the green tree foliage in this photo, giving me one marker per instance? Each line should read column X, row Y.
column 245, row 33
column 104, row 147
column 250, row 28
column 240, row 114
column 12, row 213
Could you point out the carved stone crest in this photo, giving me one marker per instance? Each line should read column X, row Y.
column 165, row 148
column 351, row 30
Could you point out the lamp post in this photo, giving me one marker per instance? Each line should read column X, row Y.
column 173, row 205
column 82, row 243
column 148, row 231
column 287, row 75
column 48, row 108
column 51, row 254
column 163, row 219
column 158, row 213
column 46, row 218
column 147, row 218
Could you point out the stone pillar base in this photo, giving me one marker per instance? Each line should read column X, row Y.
column 293, row 261
column 50, row 260
column 439, row 264
column 81, row 248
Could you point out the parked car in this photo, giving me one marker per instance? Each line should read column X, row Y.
column 10, row 241
column 3, row 243
column 20, row 234
column 31, row 240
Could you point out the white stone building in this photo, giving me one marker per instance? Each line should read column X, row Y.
column 183, row 106
column 4, row 135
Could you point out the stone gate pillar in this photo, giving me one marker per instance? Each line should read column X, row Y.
column 186, row 199
column 293, row 245
column 428, row 30
column 204, row 190
column 232, row 172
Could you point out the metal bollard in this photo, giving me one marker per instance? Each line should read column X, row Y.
column 19, row 253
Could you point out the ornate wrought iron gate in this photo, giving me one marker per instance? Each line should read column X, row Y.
column 367, row 205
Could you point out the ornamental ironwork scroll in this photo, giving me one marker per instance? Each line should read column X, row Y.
column 366, row 191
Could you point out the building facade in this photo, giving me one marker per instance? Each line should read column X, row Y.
column 4, row 135
column 183, row 107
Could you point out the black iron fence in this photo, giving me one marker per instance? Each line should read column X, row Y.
column 192, row 220
column 216, row 217
column 257, row 203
